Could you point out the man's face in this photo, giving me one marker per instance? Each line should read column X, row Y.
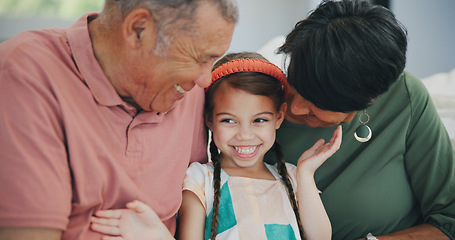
column 161, row 81
column 302, row 111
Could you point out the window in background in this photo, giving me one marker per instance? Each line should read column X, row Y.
column 21, row 15
column 63, row 9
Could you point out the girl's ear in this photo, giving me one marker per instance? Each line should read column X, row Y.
column 208, row 122
column 281, row 115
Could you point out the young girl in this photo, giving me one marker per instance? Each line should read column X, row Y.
column 237, row 195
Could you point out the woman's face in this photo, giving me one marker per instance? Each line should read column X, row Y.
column 302, row 111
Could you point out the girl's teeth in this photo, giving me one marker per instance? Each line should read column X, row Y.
column 245, row 150
column 179, row 89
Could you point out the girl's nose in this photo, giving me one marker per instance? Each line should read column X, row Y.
column 245, row 132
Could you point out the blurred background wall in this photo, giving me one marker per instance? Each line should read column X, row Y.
column 430, row 25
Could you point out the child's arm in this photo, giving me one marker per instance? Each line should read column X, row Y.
column 315, row 221
column 138, row 222
column 191, row 217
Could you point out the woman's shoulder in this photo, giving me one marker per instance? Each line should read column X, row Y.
column 419, row 97
column 413, row 85
column 408, row 92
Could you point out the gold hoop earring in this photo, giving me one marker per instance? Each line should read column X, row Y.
column 363, row 132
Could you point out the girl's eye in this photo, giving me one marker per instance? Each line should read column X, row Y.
column 260, row 120
column 227, row 121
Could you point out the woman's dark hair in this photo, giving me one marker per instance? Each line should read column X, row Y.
column 345, row 54
column 257, row 84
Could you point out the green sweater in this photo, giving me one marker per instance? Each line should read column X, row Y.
column 402, row 177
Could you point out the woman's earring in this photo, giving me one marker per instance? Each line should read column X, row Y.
column 363, row 132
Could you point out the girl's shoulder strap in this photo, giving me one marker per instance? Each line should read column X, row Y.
column 291, row 172
column 274, row 170
column 224, row 176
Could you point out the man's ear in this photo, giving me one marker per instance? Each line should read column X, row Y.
column 281, row 115
column 137, row 25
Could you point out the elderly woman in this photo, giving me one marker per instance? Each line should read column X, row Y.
column 394, row 175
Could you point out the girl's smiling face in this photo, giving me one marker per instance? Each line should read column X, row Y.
column 243, row 126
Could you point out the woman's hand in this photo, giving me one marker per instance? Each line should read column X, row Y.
column 138, row 221
column 314, row 157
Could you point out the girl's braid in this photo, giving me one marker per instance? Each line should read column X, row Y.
column 282, row 170
column 216, row 186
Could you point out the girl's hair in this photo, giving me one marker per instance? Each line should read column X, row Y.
column 256, row 83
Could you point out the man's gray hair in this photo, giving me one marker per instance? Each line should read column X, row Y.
column 167, row 12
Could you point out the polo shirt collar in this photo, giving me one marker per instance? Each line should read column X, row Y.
column 81, row 48
column 93, row 75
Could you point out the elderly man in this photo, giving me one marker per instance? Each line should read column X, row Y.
column 105, row 112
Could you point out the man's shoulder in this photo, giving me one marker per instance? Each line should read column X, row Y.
column 33, row 47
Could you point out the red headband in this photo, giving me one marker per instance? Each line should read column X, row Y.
column 249, row 65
